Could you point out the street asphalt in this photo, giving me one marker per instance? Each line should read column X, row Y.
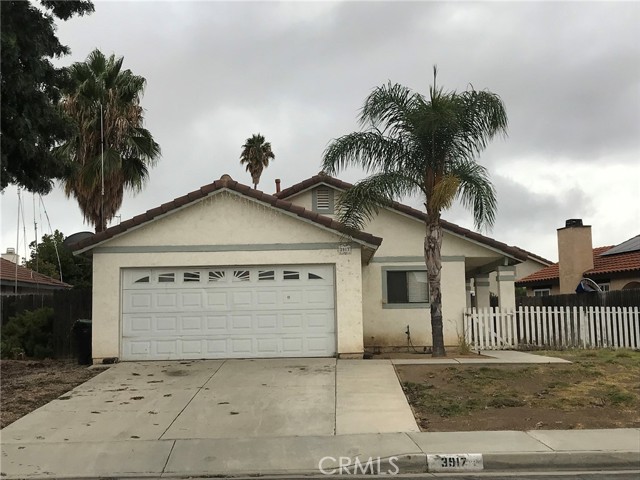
column 274, row 417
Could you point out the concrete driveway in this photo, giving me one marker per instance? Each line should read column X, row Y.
column 210, row 399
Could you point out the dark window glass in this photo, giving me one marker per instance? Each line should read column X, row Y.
column 397, row 287
column 407, row 287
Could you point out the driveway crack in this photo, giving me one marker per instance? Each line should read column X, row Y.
column 191, row 399
column 168, row 457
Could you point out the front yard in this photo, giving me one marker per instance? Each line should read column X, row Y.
column 601, row 389
column 26, row 385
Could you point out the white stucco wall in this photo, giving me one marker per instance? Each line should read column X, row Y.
column 225, row 219
column 404, row 237
column 386, row 327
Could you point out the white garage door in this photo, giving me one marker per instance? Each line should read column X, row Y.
column 223, row 312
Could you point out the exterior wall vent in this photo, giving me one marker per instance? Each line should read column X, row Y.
column 323, row 201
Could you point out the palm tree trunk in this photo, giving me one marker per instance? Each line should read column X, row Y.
column 433, row 261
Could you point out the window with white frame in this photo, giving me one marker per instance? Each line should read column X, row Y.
column 541, row 292
column 604, row 286
column 406, row 287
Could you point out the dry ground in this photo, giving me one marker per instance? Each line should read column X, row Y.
column 26, row 385
column 601, row 389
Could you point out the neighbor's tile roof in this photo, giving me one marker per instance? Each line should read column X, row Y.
column 225, row 182
column 452, row 227
column 9, row 271
column 621, row 262
column 602, row 265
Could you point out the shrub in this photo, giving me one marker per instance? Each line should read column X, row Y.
column 29, row 332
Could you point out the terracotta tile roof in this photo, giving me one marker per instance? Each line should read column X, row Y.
column 602, row 265
column 452, row 227
column 620, row 262
column 9, row 272
column 225, row 182
column 550, row 273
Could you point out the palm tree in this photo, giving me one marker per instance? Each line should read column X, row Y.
column 103, row 103
column 256, row 153
column 414, row 145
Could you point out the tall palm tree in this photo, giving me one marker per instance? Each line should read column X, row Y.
column 256, row 153
column 413, row 145
column 103, row 102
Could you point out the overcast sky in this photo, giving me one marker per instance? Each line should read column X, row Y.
column 298, row 72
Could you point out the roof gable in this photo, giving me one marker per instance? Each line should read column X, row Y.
column 323, row 178
column 228, row 184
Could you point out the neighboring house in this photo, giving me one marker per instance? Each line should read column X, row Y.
column 228, row 271
column 18, row 280
column 612, row 268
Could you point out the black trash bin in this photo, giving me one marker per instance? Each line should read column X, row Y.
column 82, row 335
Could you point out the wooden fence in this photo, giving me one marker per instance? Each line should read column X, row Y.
column 614, row 298
column 553, row 328
column 68, row 306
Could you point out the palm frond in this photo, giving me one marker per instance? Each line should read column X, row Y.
column 389, row 108
column 476, row 192
column 361, row 202
column 369, row 150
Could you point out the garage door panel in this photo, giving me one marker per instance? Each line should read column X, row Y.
column 216, row 324
column 214, row 312
column 217, row 300
column 267, row 298
column 191, row 324
column 240, row 322
column 319, row 321
column 241, row 299
column 191, row 300
column 267, row 322
column 318, row 296
column 139, row 301
column 166, row 325
column 139, row 325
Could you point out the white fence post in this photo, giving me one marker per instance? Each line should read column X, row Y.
column 634, row 320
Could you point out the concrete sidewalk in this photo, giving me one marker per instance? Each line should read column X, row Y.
column 506, row 450
column 501, row 357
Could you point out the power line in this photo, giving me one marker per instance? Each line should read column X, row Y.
column 53, row 237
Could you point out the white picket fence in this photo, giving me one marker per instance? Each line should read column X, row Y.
column 553, row 327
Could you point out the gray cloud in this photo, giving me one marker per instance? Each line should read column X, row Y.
column 298, row 73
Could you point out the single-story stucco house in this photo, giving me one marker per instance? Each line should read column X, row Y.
column 19, row 280
column 227, row 271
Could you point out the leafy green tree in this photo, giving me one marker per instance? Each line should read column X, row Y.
column 414, row 145
column 103, row 99
column 76, row 269
column 256, row 154
column 31, row 122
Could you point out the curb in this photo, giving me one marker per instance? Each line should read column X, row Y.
column 579, row 460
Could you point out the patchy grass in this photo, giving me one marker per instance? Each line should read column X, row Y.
column 600, row 389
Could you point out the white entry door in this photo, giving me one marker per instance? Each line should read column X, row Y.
column 228, row 312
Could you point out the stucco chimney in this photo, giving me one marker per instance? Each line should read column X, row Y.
column 575, row 253
column 277, row 185
column 11, row 255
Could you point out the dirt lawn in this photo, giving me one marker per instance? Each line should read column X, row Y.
column 601, row 389
column 26, row 385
